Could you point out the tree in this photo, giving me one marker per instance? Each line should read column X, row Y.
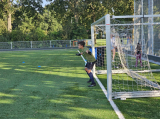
column 9, row 16
column 49, row 22
column 39, row 29
column 122, row 7
column 95, row 9
column 62, row 19
column 6, row 9
column 78, row 32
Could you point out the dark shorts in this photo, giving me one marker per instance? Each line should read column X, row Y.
column 90, row 65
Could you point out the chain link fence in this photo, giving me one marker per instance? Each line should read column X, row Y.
column 42, row 44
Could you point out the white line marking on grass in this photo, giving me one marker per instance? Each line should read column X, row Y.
column 101, row 85
column 114, row 106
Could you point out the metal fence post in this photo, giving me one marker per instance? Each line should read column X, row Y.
column 11, row 45
column 70, row 43
column 50, row 43
column 31, row 44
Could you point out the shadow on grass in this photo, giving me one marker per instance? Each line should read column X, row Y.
column 56, row 90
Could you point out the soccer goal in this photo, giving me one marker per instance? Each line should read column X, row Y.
column 128, row 70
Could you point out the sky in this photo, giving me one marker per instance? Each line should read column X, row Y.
column 45, row 3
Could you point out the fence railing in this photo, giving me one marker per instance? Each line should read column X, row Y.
column 42, row 44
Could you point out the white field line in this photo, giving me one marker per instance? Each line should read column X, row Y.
column 114, row 106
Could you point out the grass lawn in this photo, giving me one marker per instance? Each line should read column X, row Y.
column 56, row 90
column 138, row 108
column 100, row 42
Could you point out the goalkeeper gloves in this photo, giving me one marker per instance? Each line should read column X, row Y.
column 78, row 54
column 89, row 53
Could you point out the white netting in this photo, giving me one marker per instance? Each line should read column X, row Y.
column 129, row 76
column 136, row 75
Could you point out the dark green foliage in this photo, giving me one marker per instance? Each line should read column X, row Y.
column 78, row 32
column 55, row 35
column 61, row 19
column 37, row 34
column 17, row 35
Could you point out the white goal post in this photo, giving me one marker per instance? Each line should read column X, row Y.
column 106, row 18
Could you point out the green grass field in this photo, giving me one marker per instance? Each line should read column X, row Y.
column 56, row 90
column 102, row 42
column 138, row 108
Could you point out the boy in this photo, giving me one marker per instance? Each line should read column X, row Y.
column 138, row 54
column 90, row 61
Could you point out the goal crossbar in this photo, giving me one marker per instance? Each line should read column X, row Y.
column 98, row 21
column 132, row 24
column 135, row 16
column 128, row 16
column 135, row 94
column 123, row 71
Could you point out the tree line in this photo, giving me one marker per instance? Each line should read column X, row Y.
column 27, row 20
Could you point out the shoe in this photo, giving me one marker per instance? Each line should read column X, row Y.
column 89, row 81
column 92, row 85
column 113, row 60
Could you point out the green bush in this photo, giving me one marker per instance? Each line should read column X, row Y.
column 78, row 32
column 17, row 35
column 37, row 35
column 55, row 35
column 4, row 38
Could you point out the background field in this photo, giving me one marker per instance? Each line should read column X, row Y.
column 56, row 90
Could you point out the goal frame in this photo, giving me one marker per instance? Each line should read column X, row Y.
column 107, row 25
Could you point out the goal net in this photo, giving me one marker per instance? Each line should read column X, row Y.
column 123, row 45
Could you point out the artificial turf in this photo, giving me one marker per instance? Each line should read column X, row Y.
column 56, row 90
column 137, row 108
